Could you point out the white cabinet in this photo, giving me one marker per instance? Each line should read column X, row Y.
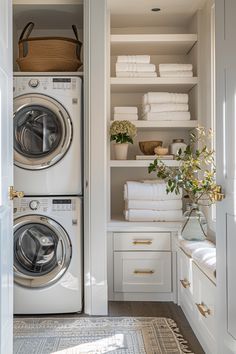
column 142, row 271
column 196, row 296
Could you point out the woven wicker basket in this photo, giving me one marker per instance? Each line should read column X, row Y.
column 48, row 53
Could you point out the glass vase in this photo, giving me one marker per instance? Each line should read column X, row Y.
column 195, row 224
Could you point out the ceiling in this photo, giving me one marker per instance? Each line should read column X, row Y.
column 173, row 12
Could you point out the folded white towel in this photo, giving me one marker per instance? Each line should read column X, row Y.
column 164, row 97
column 129, row 109
column 191, row 246
column 175, row 67
column 148, row 191
column 135, row 67
column 142, row 59
column 125, row 116
column 167, row 116
column 206, row 260
column 152, row 215
column 135, row 74
column 160, row 205
column 178, row 74
column 165, row 107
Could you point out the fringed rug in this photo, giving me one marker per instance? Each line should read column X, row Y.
column 96, row 335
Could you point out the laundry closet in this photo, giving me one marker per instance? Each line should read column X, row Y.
column 65, row 163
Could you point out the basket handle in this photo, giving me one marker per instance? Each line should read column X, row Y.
column 27, row 29
column 75, row 30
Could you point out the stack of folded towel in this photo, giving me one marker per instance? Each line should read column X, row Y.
column 176, row 70
column 165, row 106
column 148, row 201
column 125, row 113
column 135, row 66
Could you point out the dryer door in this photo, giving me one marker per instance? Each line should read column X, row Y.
column 42, row 131
column 42, row 251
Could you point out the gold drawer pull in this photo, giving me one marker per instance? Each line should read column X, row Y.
column 142, row 242
column 204, row 311
column 148, row 271
column 186, row 284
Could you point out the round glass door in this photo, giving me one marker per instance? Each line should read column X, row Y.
column 42, row 251
column 42, row 131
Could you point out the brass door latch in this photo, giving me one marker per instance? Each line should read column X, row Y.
column 14, row 194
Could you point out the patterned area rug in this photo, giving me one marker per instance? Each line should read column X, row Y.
column 96, row 335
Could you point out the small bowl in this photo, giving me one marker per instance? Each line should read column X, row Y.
column 159, row 150
column 147, row 147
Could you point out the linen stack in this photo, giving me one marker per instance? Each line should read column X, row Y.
column 135, row 66
column 148, row 201
column 176, row 70
column 165, row 106
column 125, row 113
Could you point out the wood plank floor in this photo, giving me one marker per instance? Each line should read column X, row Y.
column 157, row 309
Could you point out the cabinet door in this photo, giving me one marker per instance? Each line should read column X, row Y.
column 185, row 285
column 142, row 272
column 6, row 156
column 226, row 174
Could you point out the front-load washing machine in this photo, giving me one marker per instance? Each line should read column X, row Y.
column 47, row 255
column 47, row 135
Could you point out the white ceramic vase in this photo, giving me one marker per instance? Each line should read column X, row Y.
column 121, row 151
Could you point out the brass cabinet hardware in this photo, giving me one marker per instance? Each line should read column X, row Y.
column 217, row 195
column 148, row 271
column 142, row 242
column 204, row 311
column 15, row 194
column 186, row 284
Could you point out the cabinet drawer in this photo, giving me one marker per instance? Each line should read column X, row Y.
column 185, row 273
column 142, row 272
column 204, row 298
column 142, row 241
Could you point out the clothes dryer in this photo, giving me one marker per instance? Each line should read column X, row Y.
column 47, row 135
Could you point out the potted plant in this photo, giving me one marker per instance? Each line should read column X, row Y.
column 196, row 176
column 122, row 132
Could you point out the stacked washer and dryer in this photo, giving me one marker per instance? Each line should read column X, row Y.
column 48, row 169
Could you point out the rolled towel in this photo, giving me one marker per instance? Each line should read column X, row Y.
column 135, row 67
column 129, row 109
column 206, row 260
column 148, row 191
column 160, row 205
column 164, row 97
column 167, row 116
column 175, row 67
column 153, row 215
column 141, row 59
column 135, row 74
column 165, row 107
column 178, row 74
column 125, row 116
column 191, row 246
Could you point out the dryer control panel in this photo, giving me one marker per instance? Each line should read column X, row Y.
column 43, row 205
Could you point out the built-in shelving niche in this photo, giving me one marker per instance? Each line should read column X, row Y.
column 51, row 18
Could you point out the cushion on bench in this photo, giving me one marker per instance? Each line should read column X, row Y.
column 191, row 246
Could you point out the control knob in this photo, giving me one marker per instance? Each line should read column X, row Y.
column 34, row 83
column 34, row 204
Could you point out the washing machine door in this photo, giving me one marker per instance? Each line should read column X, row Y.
column 42, row 251
column 42, row 131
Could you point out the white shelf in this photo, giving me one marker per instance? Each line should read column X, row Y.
column 140, row 163
column 132, row 85
column 118, row 223
column 147, row 124
column 152, row 44
column 44, row 73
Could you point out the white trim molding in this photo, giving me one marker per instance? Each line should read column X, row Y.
column 95, row 161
